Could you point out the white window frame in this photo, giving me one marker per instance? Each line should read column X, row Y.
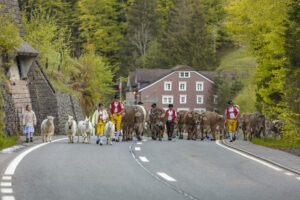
column 201, row 110
column 215, row 99
column 202, row 99
column 165, row 85
column 167, row 96
column 184, row 74
column 180, row 109
column 199, row 82
column 182, row 82
column 183, row 95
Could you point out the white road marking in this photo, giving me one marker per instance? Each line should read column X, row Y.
column 249, row 157
column 289, row 174
column 144, row 140
column 138, row 143
column 298, row 178
column 6, row 178
column 137, row 148
column 10, row 170
column 143, row 159
column 5, row 184
column 6, row 190
column 12, row 149
column 8, row 198
column 166, row 176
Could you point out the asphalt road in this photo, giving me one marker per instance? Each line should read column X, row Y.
column 147, row 170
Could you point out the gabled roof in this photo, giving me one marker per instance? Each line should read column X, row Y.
column 26, row 50
column 148, row 77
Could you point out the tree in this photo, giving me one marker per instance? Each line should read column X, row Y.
column 100, row 24
column 9, row 38
column 189, row 36
column 268, row 29
column 44, row 34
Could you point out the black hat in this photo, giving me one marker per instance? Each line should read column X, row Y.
column 100, row 104
column 153, row 105
column 230, row 102
column 140, row 103
column 117, row 96
column 170, row 105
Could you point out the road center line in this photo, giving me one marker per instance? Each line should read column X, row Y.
column 5, row 184
column 6, row 178
column 139, row 143
column 249, row 157
column 10, row 170
column 8, row 198
column 6, row 191
column 166, row 176
column 143, row 159
column 137, row 148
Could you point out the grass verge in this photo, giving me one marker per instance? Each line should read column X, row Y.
column 271, row 142
column 6, row 141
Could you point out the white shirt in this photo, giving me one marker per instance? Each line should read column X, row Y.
column 101, row 114
column 170, row 117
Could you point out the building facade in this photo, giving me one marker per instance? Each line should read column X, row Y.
column 182, row 86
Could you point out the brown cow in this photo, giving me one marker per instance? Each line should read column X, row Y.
column 245, row 125
column 192, row 121
column 180, row 122
column 257, row 125
column 139, row 121
column 128, row 122
column 158, row 122
column 211, row 123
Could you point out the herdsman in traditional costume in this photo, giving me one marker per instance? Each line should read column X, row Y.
column 99, row 120
column 231, row 114
column 116, row 109
column 171, row 118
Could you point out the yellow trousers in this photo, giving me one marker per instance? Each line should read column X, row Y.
column 232, row 125
column 116, row 119
column 100, row 127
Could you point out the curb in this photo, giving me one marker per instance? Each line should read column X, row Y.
column 261, row 158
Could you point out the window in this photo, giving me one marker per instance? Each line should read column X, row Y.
column 167, row 99
column 199, row 86
column 184, row 74
column 180, row 109
column 199, row 99
column 182, row 86
column 200, row 110
column 182, row 99
column 168, row 86
column 215, row 99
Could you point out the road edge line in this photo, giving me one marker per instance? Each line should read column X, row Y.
column 224, row 143
column 10, row 169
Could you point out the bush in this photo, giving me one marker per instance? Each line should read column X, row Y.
column 6, row 141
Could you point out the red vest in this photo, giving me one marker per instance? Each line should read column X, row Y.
column 234, row 111
column 173, row 114
column 119, row 107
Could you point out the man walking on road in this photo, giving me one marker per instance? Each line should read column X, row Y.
column 116, row 109
column 171, row 118
column 231, row 114
column 99, row 119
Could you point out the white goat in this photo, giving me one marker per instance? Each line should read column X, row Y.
column 47, row 129
column 71, row 128
column 85, row 129
column 109, row 131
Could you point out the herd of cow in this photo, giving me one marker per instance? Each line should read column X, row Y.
column 197, row 125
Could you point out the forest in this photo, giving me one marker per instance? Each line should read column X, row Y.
column 87, row 45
